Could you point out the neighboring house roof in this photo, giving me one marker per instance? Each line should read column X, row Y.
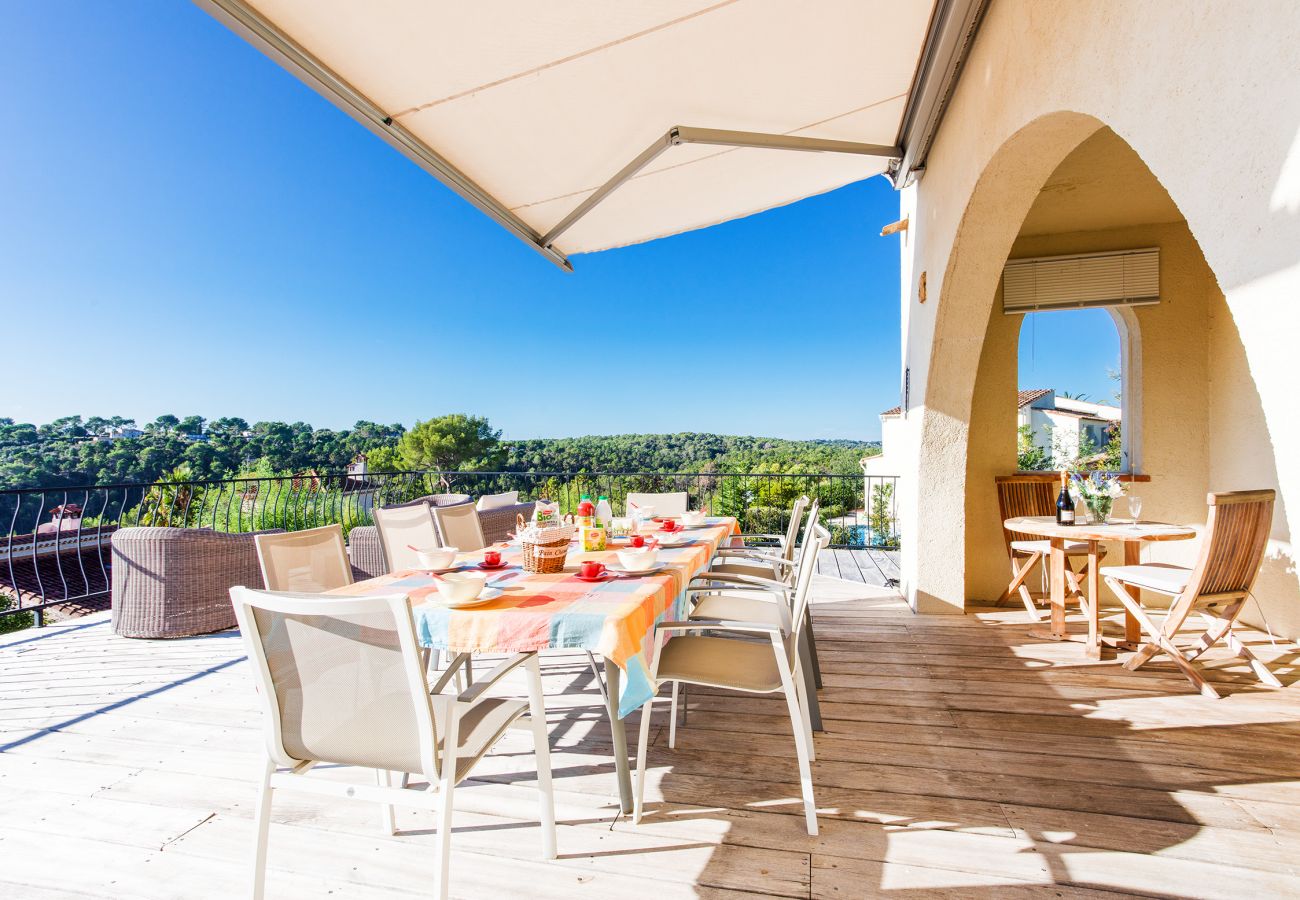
column 895, row 411
column 1027, row 397
column 1073, row 414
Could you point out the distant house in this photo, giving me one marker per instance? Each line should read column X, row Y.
column 1058, row 424
column 891, row 435
column 1052, row 420
column 117, row 434
column 357, row 468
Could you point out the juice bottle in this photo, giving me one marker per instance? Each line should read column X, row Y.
column 586, row 511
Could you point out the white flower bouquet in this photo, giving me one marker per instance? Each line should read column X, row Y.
column 1099, row 490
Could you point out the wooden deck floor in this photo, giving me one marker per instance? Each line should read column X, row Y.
column 961, row 759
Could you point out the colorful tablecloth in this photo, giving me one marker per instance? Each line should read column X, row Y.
column 614, row 617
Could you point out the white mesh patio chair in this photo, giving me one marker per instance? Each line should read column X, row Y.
column 400, row 528
column 760, row 591
column 762, row 562
column 752, row 657
column 340, row 682
column 1216, row 588
column 674, row 503
column 310, row 561
column 459, row 527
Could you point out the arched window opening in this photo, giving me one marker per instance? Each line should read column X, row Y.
column 1073, row 406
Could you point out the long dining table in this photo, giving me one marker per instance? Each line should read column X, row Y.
column 613, row 617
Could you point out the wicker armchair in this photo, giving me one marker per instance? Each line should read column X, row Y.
column 175, row 582
column 497, row 524
column 367, row 557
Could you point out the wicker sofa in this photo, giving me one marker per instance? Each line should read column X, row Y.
column 367, row 557
column 175, row 582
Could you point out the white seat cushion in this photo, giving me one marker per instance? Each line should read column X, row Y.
column 1161, row 577
column 1074, row 548
column 497, row 501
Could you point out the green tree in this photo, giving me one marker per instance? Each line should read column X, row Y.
column 164, row 424
column 449, row 442
column 1114, row 449
column 1029, row 456
column 190, row 425
column 384, row 459
column 881, row 516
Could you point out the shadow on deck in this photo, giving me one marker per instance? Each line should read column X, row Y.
column 961, row 758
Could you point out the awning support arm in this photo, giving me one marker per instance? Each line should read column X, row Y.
column 259, row 31
column 683, row 134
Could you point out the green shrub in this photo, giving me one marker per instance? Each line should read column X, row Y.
column 764, row 520
column 15, row 622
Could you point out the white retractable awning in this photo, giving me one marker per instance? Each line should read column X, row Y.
column 528, row 108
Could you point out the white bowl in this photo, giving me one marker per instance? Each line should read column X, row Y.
column 693, row 519
column 674, row 539
column 437, row 557
column 461, row 587
column 638, row 559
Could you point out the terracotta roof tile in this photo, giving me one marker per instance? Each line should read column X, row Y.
column 1027, row 397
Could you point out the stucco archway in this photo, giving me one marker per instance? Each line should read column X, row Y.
column 1002, row 197
column 1194, row 342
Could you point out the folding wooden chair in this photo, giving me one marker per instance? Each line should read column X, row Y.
column 1034, row 495
column 1216, row 588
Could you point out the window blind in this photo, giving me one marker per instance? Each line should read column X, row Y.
column 1079, row 281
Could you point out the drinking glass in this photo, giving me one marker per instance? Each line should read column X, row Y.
column 1134, row 508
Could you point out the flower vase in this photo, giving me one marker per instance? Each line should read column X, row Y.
column 1100, row 509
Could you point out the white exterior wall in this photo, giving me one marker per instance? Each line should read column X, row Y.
column 1209, row 97
column 892, row 441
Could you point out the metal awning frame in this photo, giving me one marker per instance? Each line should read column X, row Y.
column 952, row 30
column 683, row 134
column 259, row 31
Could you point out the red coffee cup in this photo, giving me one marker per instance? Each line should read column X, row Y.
column 492, row 557
column 637, row 540
column 670, row 526
column 592, row 569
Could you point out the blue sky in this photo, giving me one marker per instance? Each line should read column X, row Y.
column 186, row 228
column 1072, row 351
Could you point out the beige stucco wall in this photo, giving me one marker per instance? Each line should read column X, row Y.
column 1174, row 420
column 992, row 452
column 1199, row 92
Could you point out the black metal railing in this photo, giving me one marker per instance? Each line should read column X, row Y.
column 57, row 547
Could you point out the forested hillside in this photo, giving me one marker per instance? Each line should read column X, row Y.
column 98, row 450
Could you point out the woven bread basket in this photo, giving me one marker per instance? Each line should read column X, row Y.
column 546, row 558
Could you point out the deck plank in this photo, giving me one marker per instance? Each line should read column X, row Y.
column 960, row 758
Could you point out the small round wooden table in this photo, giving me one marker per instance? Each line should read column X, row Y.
column 1131, row 535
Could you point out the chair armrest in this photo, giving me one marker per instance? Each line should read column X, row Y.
column 697, row 584
column 474, row 692
column 757, row 555
column 753, row 535
column 449, row 673
column 720, row 625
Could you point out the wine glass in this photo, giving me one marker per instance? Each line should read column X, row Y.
column 1134, row 508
